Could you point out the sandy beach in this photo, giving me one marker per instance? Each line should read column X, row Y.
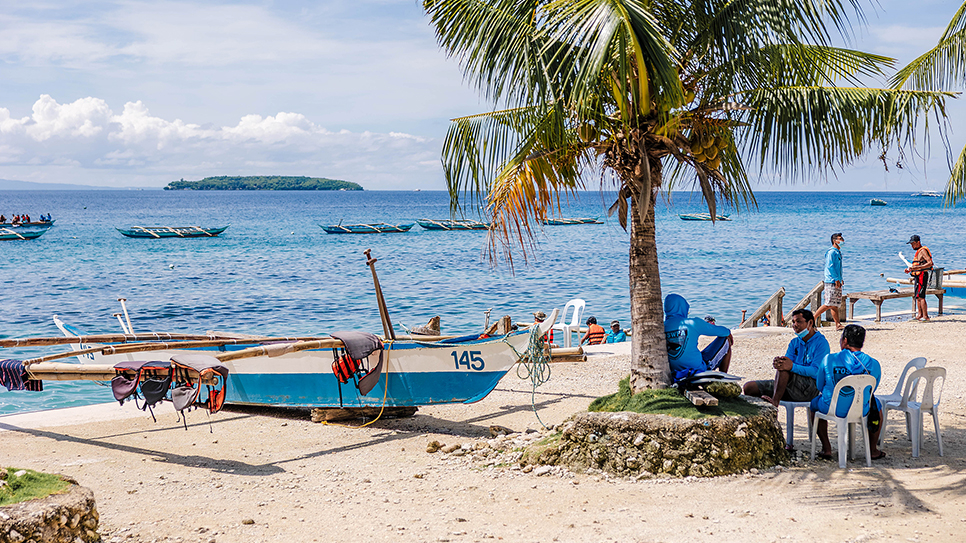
column 273, row 475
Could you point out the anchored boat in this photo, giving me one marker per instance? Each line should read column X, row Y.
column 374, row 228
column 452, row 224
column 21, row 234
column 702, row 217
column 578, row 220
column 877, row 202
column 156, row 232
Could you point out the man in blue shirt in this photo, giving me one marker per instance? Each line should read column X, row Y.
column 682, row 332
column 850, row 361
column 615, row 334
column 795, row 372
column 832, row 295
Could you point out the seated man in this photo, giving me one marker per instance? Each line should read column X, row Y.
column 539, row 317
column 795, row 372
column 850, row 361
column 682, row 332
column 595, row 333
column 615, row 334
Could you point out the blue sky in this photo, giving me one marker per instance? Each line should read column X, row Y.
column 142, row 93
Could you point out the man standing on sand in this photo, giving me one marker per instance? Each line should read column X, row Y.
column 832, row 295
column 795, row 372
column 921, row 266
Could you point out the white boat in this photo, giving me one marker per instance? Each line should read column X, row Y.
column 927, row 194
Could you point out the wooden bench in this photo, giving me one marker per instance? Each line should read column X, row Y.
column 879, row 296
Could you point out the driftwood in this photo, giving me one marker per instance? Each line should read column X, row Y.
column 325, row 414
column 700, row 398
column 429, row 329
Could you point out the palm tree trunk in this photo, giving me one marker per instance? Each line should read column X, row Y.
column 649, row 364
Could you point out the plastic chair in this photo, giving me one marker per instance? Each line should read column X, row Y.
column 790, row 408
column 896, row 396
column 844, row 425
column 566, row 328
column 914, row 410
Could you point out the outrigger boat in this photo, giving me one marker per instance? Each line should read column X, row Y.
column 452, row 224
column 31, row 224
column 343, row 371
column 578, row 220
column 156, row 232
column 18, row 234
column 374, row 228
column 877, row 202
column 702, row 217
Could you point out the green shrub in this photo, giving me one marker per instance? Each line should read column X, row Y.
column 668, row 401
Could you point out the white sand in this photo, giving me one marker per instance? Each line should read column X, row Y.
column 300, row 481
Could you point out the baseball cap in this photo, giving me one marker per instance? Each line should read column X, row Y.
column 615, row 323
column 914, row 238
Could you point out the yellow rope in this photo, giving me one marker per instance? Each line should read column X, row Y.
column 385, row 394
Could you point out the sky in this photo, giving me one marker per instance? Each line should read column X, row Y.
column 138, row 94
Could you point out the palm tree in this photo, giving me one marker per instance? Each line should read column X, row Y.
column 645, row 95
column 943, row 67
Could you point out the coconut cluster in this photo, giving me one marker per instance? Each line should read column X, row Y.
column 708, row 148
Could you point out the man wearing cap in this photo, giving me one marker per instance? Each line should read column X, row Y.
column 921, row 265
column 832, row 295
column 595, row 332
column 615, row 334
column 539, row 317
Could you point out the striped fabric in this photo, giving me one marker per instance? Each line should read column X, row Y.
column 14, row 377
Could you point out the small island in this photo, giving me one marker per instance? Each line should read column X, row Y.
column 266, row 182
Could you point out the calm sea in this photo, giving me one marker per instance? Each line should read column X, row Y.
column 274, row 271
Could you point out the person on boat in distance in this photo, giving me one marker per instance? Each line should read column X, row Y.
column 850, row 361
column 615, row 334
column 832, row 295
column 539, row 317
column 921, row 266
column 795, row 372
column 682, row 332
column 595, row 332
column 3, row 219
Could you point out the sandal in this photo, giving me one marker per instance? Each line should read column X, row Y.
column 880, row 456
column 824, row 456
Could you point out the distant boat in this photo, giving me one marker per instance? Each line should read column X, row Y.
column 702, row 217
column 927, row 194
column 30, row 224
column 877, row 202
column 578, row 220
column 452, row 224
column 374, row 228
column 17, row 234
column 156, row 232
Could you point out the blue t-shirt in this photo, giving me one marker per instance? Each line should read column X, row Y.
column 837, row 366
column 833, row 265
column 682, row 332
column 619, row 337
column 807, row 355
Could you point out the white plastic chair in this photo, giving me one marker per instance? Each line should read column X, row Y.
column 790, row 408
column 568, row 329
column 896, row 396
column 914, row 410
column 844, row 425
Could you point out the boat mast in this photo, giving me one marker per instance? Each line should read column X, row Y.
column 383, row 310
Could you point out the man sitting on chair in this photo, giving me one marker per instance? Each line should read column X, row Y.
column 681, row 333
column 850, row 361
column 795, row 372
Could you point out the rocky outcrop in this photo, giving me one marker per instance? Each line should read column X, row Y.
column 69, row 517
column 633, row 444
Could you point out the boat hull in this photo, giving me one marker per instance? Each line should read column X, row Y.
column 567, row 222
column 7, row 234
column 153, row 232
column 380, row 228
column 452, row 225
column 703, row 217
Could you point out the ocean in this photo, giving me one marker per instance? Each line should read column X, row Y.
column 276, row 272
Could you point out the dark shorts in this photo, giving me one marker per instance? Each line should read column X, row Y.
column 920, row 281
column 800, row 388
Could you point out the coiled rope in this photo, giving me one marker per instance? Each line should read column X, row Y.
column 534, row 364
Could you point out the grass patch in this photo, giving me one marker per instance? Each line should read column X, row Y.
column 668, row 401
column 29, row 486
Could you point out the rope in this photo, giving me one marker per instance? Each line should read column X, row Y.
column 535, row 362
column 385, row 394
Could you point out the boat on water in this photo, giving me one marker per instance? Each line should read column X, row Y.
column 31, row 224
column 877, row 202
column 702, row 217
column 927, row 194
column 21, row 234
column 156, row 232
column 452, row 224
column 579, row 220
column 344, row 370
column 374, row 228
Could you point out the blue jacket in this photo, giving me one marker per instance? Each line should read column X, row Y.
column 682, row 332
column 833, row 265
column 836, row 366
column 807, row 356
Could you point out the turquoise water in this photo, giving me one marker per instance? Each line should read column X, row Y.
column 274, row 271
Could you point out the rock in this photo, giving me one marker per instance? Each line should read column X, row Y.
column 433, row 446
column 497, row 430
column 14, row 536
column 248, row 521
column 450, row 448
column 20, row 473
column 542, row 470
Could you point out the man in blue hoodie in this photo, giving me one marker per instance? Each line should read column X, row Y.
column 795, row 376
column 850, row 361
column 682, row 332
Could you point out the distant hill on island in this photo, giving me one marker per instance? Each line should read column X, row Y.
column 268, row 182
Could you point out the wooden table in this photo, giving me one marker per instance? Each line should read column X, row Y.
column 879, row 296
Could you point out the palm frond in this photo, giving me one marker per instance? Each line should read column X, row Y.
column 956, row 186
column 943, row 66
